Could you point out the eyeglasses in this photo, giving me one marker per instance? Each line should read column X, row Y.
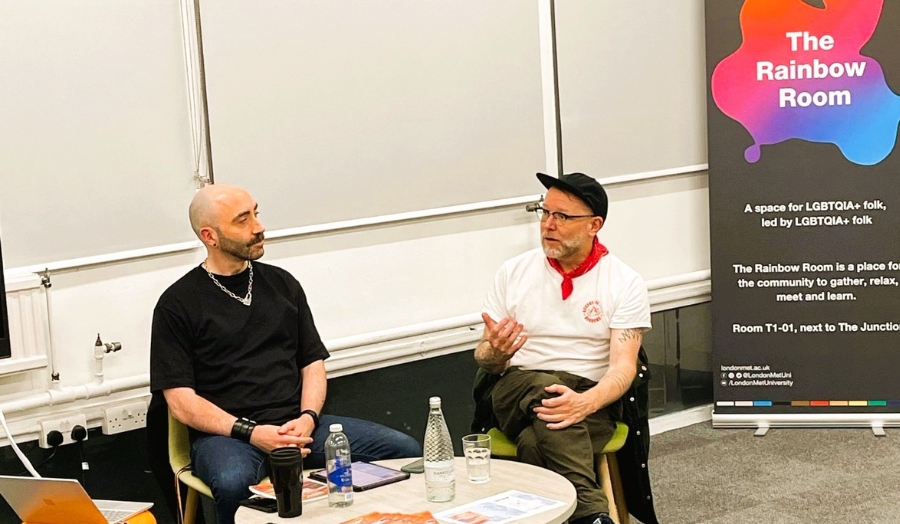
column 560, row 218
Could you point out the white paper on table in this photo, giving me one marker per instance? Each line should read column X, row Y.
column 503, row 507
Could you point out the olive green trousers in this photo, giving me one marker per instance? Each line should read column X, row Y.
column 569, row 451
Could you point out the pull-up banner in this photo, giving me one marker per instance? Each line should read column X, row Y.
column 804, row 188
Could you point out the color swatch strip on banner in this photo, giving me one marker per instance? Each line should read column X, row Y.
column 806, row 403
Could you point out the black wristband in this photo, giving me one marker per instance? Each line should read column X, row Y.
column 313, row 414
column 237, row 429
column 242, row 429
column 249, row 425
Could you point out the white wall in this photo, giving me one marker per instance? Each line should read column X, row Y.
column 632, row 84
column 361, row 281
column 94, row 127
column 366, row 92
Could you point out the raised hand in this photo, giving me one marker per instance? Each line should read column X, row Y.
column 505, row 337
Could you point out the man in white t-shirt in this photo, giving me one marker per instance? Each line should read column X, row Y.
column 563, row 325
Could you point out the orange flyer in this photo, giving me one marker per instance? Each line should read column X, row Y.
column 312, row 490
column 424, row 517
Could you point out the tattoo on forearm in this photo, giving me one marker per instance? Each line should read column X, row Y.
column 489, row 358
column 631, row 334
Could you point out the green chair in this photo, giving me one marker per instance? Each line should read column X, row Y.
column 608, row 468
column 180, row 460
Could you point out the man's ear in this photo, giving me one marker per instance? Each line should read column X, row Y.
column 209, row 236
column 597, row 224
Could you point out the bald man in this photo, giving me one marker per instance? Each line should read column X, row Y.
column 236, row 354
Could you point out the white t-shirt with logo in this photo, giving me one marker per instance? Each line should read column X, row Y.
column 568, row 335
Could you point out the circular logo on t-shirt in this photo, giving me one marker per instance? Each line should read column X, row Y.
column 592, row 311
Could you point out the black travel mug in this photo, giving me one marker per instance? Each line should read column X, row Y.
column 286, row 466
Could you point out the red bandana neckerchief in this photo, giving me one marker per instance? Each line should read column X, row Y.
column 597, row 251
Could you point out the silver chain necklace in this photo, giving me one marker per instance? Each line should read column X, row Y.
column 247, row 299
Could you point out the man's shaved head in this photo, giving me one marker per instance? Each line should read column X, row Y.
column 225, row 219
column 204, row 209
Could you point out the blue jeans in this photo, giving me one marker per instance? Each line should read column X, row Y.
column 229, row 466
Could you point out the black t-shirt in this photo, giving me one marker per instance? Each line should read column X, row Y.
column 244, row 359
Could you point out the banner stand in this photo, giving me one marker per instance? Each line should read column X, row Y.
column 803, row 115
column 765, row 421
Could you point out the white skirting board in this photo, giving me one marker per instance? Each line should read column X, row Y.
column 681, row 419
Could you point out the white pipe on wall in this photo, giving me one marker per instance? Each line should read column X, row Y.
column 51, row 355
column 678, row 280
column 413, row 330
column 69, row 394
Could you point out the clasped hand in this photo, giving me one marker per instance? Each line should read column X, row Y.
column 293, row 433
column 565, row 409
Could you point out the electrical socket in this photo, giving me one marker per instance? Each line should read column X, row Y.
column 64, row 425
column 125, row 417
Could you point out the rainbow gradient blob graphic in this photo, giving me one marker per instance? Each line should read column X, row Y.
column 848, row 104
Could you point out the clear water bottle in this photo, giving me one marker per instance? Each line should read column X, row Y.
column 440, row 481
column 337, row 467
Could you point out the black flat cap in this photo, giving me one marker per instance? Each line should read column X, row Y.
column 584, row 187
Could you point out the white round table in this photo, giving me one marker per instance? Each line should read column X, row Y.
column 408, row 496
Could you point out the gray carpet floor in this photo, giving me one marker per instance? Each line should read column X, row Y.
column 702, row 475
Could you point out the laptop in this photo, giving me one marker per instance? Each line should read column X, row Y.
column 62, row 501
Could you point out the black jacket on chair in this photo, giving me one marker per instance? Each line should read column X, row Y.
column 632, row 458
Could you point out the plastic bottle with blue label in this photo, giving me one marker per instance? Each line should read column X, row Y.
column 337, row 466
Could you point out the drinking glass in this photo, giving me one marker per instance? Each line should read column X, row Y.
column 477, row 449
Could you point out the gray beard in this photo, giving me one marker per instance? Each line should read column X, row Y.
column 562, row 250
